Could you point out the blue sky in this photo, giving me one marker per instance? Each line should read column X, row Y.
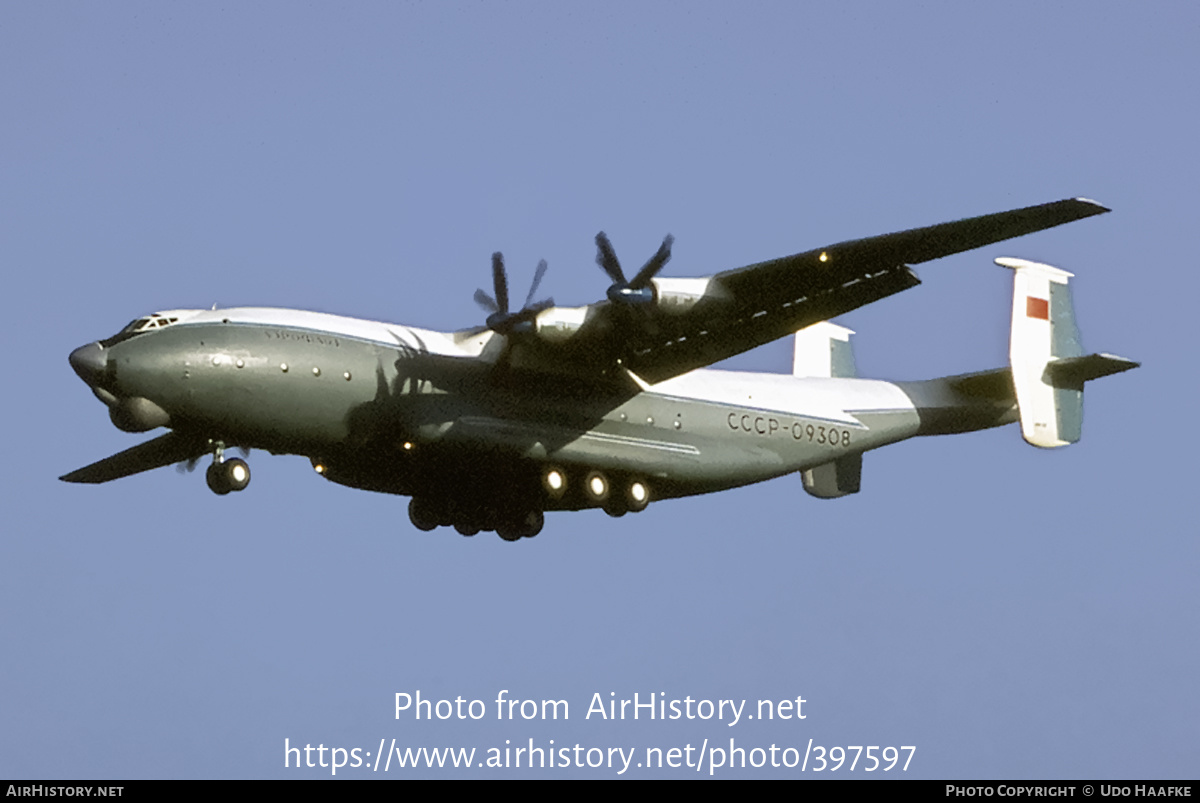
column 1012, row 613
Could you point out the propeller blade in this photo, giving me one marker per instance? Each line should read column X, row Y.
column 606, row 258
column 500, row 281
column 537, row 279
column 654, row 264
column 485, row 301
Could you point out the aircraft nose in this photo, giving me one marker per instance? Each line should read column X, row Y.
column 90, row 362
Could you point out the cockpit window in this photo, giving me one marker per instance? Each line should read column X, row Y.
column 137, row 327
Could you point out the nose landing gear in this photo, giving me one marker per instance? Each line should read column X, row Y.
column 225, row 476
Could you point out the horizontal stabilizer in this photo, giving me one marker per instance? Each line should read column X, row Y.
column 162, row 451
column 1072, row 372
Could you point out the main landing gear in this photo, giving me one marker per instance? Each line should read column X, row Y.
column 510, row 523
column 521, row 515
column 225, row 476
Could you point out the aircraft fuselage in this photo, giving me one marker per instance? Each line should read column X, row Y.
column 425, row 415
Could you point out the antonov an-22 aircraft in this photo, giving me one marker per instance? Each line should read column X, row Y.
column 604, row 406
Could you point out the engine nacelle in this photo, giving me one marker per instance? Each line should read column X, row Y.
column 560, row 323
column 676, row 296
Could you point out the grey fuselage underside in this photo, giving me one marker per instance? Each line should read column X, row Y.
column 402, row 420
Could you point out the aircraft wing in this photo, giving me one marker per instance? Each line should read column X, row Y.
column 174, row 447
column 747, row 307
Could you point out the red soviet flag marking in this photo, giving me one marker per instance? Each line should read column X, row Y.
column 1037, row 308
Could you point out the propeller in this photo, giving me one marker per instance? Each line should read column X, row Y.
column 637, row 291
column 501, row 321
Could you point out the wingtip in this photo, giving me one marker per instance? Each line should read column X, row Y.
column 1099, row 207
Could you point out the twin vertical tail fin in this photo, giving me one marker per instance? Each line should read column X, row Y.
column 823, row 349
column 1048, row 363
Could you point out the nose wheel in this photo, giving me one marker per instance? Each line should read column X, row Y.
column 226, row 476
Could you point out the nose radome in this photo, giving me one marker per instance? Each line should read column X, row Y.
column 89, row 362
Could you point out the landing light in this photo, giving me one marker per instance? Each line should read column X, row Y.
column 824, row 257
column 319, row 468
column 597, row 486
column 554, row 482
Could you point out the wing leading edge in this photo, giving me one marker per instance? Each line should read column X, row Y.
column 174, row 447
column 747, row 307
